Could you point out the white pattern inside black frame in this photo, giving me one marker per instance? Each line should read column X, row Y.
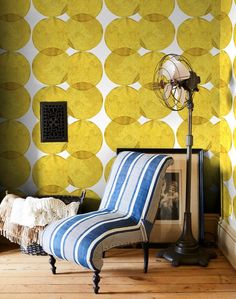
column 53, row 121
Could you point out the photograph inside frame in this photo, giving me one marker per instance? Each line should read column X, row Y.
column 169, row 205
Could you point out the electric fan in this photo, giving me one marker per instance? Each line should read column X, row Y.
column 175, row 83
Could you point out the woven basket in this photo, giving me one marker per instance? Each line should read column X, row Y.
column 33, row 249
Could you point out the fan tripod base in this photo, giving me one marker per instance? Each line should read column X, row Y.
column 195, row 256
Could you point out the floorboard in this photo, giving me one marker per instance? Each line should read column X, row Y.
column 29, row 277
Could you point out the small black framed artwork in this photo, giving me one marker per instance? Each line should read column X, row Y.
column 170, row 213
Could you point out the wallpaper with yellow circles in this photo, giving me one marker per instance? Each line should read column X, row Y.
column 100, row 56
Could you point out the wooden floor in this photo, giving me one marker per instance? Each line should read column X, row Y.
column 28, row 277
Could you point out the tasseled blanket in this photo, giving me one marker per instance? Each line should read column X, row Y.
column 23, row 226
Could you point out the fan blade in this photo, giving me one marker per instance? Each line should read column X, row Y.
column 174, row 69
column 168, row 70
column 167, row 91
column 181, row 72
column 180, row 94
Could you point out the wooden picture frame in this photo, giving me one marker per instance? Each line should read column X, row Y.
column 169, row 220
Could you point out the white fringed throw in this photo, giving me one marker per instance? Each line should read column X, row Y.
column 21, row 220
column 41, row 211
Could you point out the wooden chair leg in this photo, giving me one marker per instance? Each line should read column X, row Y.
column 52, row 262
column 145, row 246
column 96, row 279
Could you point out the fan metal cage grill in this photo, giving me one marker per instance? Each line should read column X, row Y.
column 169, row 89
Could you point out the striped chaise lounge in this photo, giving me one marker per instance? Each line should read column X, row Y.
column 125, row 216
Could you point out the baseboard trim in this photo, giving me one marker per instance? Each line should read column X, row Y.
column 227, row 241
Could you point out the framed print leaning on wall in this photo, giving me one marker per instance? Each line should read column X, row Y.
column 170, row 213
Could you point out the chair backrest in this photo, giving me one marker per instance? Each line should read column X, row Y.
column 135, row 183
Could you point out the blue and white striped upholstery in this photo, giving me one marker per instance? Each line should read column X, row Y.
column 125, row 216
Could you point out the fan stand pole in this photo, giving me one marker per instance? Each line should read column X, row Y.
column 186, row 250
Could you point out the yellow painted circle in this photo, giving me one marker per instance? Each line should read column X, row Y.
column 221, row 69
column 220, row 8
column 195, row 8
column 52, row 190
column 83, row 173
column 234, row 106
column 227, row 206
column 48, row 94
column 234, row 175
column 47, row 147
column 234, row 67
column 85, row 139
column 156, row 35
column 14, row 70
column 14, row 172
column 149, row 62
column 156, row 134
column 221, row 32
column 84, row 35
column 123, row 70
column 108, row 168
column 194, row 36
column 50, row 70
column 226, row 166
column 50, row 33
column 14, row 7
column 202, row 134
column 123, row 101
column 225, row 136
column 51, row 8
column 204, row 112
column 14, row 35
column 84, row 7
column 221, row 108
column 151, row 106
column 234, row 137
column 85, row 70
column 14, row 103
column 84, row 104
column 216, row 142
column 235, row 34
column 14, row 139
column 156, row 8
column 52, row 171
column 122, row 132
column 222, row 137
column 123, row 8
column 123, row 33
column 202, row 65
column 234, row 206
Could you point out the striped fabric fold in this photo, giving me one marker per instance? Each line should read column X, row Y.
column 129, row 203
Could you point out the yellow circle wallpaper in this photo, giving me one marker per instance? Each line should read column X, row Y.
column 100, row 56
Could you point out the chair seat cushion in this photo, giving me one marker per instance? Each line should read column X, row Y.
column 83, row 238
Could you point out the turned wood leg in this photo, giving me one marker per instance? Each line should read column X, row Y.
column 52, row 262
column 145, row 246
column 96, row 279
